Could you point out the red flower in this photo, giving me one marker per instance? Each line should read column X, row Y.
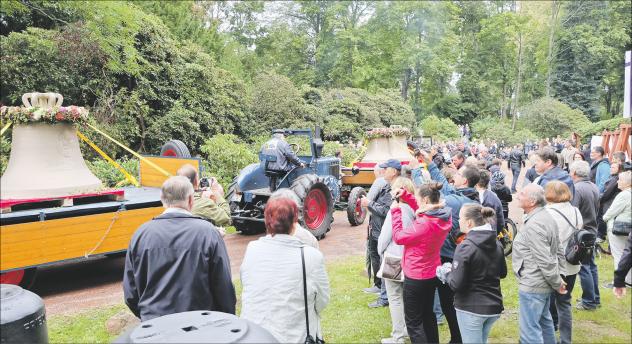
column 59, row 116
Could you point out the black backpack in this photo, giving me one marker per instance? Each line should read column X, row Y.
column 581, row 244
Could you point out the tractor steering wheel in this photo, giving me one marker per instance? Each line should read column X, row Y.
column 295, row 148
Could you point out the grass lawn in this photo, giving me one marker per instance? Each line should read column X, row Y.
column 347, row 319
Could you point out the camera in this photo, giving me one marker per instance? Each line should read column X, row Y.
column 204, row 183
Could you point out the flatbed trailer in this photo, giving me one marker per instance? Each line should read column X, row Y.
column 48, row 235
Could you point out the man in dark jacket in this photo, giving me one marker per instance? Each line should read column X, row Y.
column 586, row 199
column 378, row 209
column 281, row 150
column 516, row 163
column 177, row 262
column 545, row 163
column 490, row 199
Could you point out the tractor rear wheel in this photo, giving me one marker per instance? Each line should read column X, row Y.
column 355, row 213
column 317, row 206
column 176, row 149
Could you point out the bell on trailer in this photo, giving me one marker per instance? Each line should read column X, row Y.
column 45, row 160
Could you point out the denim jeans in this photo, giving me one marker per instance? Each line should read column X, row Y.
column 536, row 324
column 561, row 310
column 589, row 279
column 383, row 298
column 516, row 173
column 437, row 306
column 475, row 328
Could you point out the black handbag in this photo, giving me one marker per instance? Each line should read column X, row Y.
column 309, row 339
column 621, row 228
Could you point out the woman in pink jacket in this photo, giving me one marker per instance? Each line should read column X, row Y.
column 422, row 243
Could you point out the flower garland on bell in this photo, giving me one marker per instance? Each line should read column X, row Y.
column 387, row 132
column 61, row 114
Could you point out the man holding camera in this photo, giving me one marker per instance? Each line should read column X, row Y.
column 208, row 199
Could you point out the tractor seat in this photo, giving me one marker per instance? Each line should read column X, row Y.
column 266, row 160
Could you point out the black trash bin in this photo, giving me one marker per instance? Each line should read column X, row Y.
column 22, row 316
column 197, row 327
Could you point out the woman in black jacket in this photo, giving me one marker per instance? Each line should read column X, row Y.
column 611, row 190
column 475, row 274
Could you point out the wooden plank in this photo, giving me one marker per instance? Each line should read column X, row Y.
column 151, row 177
column 35, row 243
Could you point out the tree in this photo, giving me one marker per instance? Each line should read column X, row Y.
column 549, row 117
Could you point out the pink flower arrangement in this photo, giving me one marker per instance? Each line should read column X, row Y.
column 64, row 114
column 387, row 132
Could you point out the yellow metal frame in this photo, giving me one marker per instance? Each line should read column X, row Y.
column 36, row 243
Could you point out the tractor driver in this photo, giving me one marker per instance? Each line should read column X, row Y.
column 278, row 147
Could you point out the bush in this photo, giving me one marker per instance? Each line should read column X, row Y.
column 494, row 128
column 440, row 129
column 110, row 175
column 549, row 117
column 225, row 156
column 5, row 151
column 597, row 128
column 349, row 154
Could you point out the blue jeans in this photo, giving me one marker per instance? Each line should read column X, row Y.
column 383, row 298
column 475, row 328
column 536, row 324
column 589, row 279
column 437, row 306
column 516, row 173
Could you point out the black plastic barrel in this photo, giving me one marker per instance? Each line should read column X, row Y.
column 197, row 327
column 22, row 316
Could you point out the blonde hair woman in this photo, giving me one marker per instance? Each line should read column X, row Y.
column 385, row 244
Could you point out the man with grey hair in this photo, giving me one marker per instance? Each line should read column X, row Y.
column 586, row 199
column 536, row 259
column 303, row 234
column 177, row 262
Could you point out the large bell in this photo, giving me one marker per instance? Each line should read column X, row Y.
column 381, row 149
column 45, row 160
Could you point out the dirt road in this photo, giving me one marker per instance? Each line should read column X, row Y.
column 73, row 287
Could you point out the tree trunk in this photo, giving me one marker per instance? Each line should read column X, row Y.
column 518, row 82
column 405, row 81
column 555, row 9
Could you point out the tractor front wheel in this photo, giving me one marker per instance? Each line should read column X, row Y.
column 317, row 206
column 355, row 213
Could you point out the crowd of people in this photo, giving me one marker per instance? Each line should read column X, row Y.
column 432, row 244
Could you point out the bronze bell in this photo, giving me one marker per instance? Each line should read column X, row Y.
column 45, row 160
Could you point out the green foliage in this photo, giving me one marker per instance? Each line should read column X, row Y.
column 440, row 129
column 588, row 130
column 5, row 151
column 350, row 154
column 492, row 128
column 226, row 155
column 109, row 175
column 549, row 117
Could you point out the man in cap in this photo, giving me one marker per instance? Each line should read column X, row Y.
column 281, row 150
column 378, row 209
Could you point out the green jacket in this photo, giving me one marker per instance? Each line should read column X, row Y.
column 218, row 213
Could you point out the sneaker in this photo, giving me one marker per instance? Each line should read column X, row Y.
column 378, row 304
column 392, row 340
column 582, row 306
column 599, row 240
column 441, row 320
column 608, row 286
column 372, row 290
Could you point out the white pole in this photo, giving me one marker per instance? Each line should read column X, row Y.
column 627, row 97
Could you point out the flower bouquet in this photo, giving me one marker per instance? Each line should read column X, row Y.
column 57, row 114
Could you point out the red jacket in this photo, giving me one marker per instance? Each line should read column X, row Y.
column 422, row 241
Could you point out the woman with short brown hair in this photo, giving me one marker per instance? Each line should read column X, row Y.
column 568, row 220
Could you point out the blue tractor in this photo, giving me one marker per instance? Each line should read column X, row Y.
column 317, row 186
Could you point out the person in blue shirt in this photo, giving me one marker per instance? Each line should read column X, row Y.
column 600, row 168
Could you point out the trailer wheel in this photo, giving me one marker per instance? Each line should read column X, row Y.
column 317, row 206
column 355, row 213
column 176, row 149
column 24, row 278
